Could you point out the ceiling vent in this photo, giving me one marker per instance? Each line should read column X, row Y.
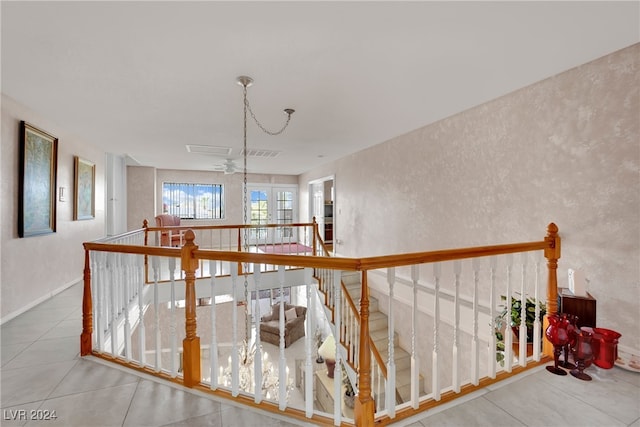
column 209, row 150
column 258, row 152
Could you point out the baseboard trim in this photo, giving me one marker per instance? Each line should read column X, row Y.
column 40, row 300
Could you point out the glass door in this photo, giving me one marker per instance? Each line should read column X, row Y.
column 270, row 204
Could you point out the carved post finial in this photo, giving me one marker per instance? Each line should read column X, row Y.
column 190, row 237
column 145, row 223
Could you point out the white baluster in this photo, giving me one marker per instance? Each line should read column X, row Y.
column 282, row 372
column 337, row 383
column 141, row 327
column 257, row 361
column 537, row 327
column 522, row 358
column 455, row 379
column 491, row 349
column 380, row 386
column 97, row 259
column 355, row 330
column 311, row 325
column 391, row 363
column 156, row 311
column 114, row 304
column 415, row 362
column 126, row 259
column 213, row 350
column 508, row 336
column 235, row 381
column 435, row 380
column 174, row 319
column 475, row 346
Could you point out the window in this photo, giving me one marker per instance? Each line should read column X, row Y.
column 193, row 201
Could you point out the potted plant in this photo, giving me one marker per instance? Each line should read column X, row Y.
column 349, row 392
column 318, row 339
column 515, row 309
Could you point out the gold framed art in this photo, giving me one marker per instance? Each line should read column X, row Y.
column 84, row 204
column 37, row 192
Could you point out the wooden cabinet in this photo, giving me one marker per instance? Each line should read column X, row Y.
column 583, row 307
column 324, row 391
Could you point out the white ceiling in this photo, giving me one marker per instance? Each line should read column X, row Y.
column 143, row 79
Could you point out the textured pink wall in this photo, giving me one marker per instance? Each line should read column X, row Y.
column 566, row 149
column 34, row 268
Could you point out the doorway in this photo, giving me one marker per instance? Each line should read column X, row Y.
column 322, row 206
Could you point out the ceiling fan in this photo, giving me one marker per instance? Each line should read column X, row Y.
column 228, row 167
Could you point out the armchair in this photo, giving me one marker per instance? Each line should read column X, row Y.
column 169, row 238
column 293, row 327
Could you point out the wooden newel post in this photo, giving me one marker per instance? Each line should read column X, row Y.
column 552, row 254
column 364, row 408
column 87, row 310
column 145, row 225
column 314, row 233
column 191, row 342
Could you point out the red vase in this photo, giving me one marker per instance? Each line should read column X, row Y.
column 331, row 366
column 557, row 335
column 582, row 352
column 605, row 347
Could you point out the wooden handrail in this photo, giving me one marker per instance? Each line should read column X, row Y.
column 372, row 263
column 228, row 227
column 133, row 249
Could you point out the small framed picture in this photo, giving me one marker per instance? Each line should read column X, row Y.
column 84, row 206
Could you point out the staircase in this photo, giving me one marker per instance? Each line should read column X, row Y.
column 379, row 332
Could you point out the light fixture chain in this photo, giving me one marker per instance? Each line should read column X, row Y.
column 246, row 81
column 245, row 221
column 248, row 107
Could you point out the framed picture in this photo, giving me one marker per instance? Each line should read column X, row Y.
column 37, row 193
column 84, row 206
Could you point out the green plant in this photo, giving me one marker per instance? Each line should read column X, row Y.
column 500, row 326
column 348, row 388
column 515, row 309
column 349, row 393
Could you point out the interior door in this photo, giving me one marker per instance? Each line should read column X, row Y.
column 272, row 205
column 322, row 208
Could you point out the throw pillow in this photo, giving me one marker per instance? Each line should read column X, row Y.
column 290, row 314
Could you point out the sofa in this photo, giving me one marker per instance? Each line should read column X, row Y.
column 173, row 237
column 293, row 326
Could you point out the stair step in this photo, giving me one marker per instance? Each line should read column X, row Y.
column 381, row 335
column 401, row 358
column 378, row 320
column 379, row 332
column 349, row 277
column 405, row 390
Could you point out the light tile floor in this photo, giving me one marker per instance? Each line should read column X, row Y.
column 41, row 371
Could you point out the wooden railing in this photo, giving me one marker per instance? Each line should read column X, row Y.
column 192, row 256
